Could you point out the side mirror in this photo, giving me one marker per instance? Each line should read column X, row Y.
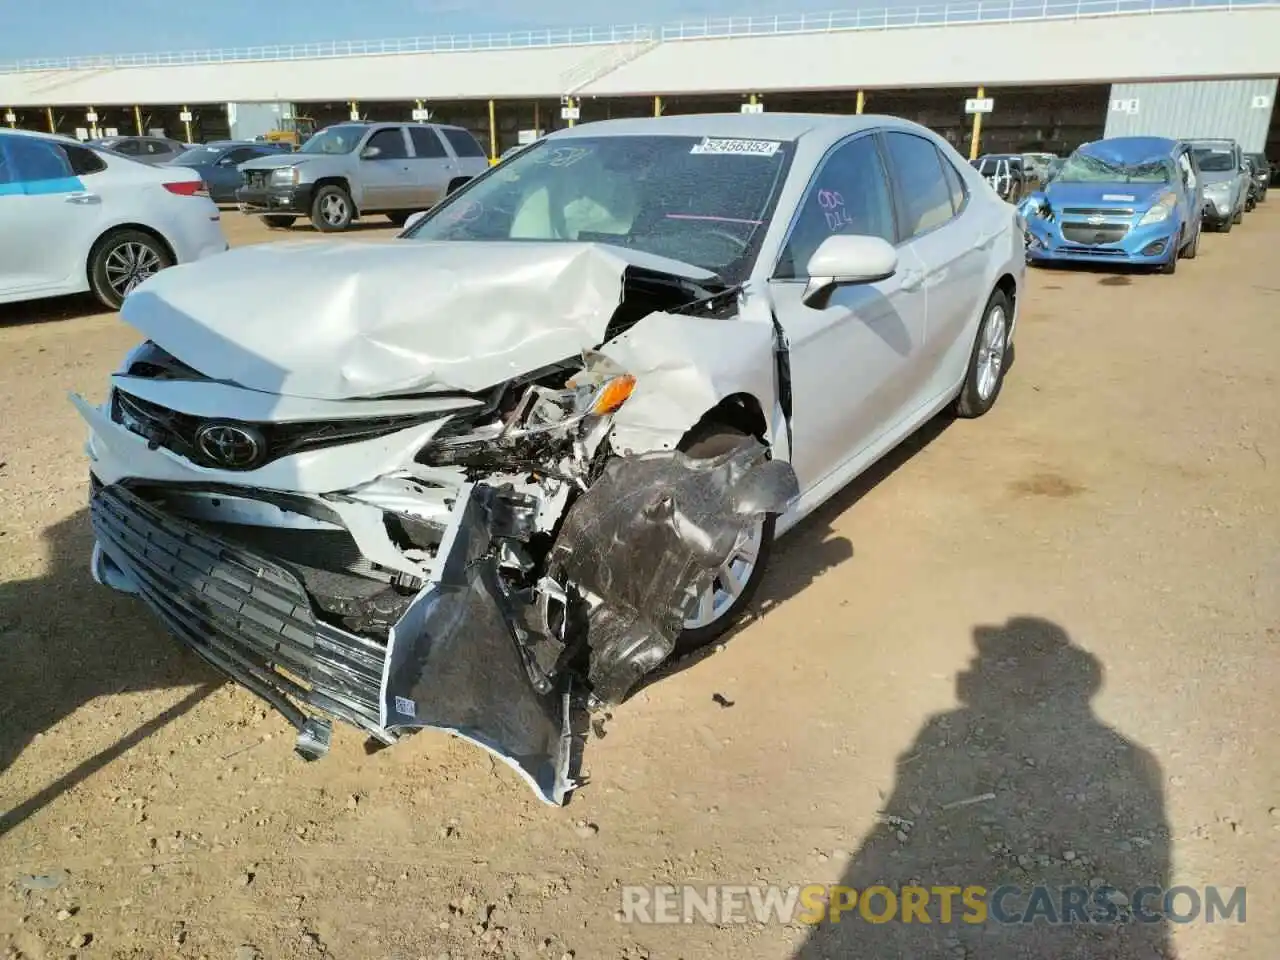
column 844, row 259
column 226, row 162
column 370, row 153
column 413, row 221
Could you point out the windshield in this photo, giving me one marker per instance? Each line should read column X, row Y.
column 1214, row 159
column 340, row 139
column 198, row 155
column 1083, row 167
column 702, row 201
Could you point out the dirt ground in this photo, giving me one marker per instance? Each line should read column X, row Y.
column 1070, row 604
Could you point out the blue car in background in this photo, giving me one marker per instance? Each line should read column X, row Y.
column 1126, row 200
column 218, row 164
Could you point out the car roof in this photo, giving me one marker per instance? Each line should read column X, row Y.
column 40, row 135
column 745, row 126
column 1131, row 149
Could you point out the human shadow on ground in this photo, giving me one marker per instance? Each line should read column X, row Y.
column 1021, row 786
column 64, row 641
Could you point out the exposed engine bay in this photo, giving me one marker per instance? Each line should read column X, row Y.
column 478, row 561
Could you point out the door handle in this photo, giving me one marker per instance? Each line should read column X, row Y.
column 912, row 279
column 84, row 199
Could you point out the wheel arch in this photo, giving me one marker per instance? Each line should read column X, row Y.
column 336, row 180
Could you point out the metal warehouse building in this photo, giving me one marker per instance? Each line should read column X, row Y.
column 1052, row 73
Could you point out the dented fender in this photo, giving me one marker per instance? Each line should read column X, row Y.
column 672, row 391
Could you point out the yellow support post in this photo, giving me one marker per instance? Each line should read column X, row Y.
column 753, row 100
column 48, row 112
column 572, row 103
column 657, row 106
column 536, row 121
column 493, row 133
column 14, row 121
column 976, row 139
column 137, row 120
column 187, row 123
column 354, row 109
column 862, row 100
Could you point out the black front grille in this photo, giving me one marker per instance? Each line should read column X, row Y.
column 177, row 431
column 1088, row 234
column 1097, row 211
column 244, row 613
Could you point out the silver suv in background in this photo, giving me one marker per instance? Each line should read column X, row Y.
column 350, row 170
column 1226, row 182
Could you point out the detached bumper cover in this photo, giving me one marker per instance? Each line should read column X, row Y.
column 471, row 654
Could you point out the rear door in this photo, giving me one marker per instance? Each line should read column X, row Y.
column 433, row 168
column 472, row 160
column 952, row 238
column 388, row 178
column 49, row 211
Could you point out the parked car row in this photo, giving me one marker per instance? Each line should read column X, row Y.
column 1139, row 201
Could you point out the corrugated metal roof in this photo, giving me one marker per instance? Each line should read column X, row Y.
column 1238, row 110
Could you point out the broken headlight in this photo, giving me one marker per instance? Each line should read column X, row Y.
column 544, row 425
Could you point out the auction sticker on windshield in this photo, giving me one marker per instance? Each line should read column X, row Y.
column 753, row 148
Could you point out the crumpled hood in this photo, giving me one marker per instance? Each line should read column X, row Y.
column 1139, row 196
column 342, row 320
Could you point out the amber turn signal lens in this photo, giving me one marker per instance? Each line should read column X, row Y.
column 614, row 394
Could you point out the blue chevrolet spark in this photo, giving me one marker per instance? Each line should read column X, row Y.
column 1127, row 200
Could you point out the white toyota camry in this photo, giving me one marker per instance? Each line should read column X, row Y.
column 74, row 218
column 541, row 443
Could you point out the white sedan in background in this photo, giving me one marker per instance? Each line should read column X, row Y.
column 541, row 443
column 76, row 219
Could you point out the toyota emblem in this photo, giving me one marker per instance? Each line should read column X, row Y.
column 229, row 445
column 1097, row 221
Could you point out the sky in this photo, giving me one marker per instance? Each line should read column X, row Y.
column 62, row 28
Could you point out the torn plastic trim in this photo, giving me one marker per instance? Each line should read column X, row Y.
column 454, row 662
column 653, row 528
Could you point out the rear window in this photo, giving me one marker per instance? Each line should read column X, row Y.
column 463, row 143
column 426, row 144
column 84, row 161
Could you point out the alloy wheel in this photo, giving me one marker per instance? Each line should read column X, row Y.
column 128, row 264
column 710, row 604
column 991, row 352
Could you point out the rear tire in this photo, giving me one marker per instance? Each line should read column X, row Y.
column 332, row 210
column 121, row 260
column 400, row 217
column 987, row 361
column 704, row 442
column 456, row 183
column 275, row 221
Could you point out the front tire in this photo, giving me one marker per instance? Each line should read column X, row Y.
column 1193, row 247
column 122, row 260
column 987, row 365
column 1239, row 216
column 331, row 209
column 714, row 611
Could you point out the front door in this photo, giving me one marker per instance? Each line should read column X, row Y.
column 867, row 338
column 388, row 179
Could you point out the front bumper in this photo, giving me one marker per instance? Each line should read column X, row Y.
column 1076, row 240
column 291, row 199
column 1218, row 209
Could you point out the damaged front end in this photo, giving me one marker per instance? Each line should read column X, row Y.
column 475, row 562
